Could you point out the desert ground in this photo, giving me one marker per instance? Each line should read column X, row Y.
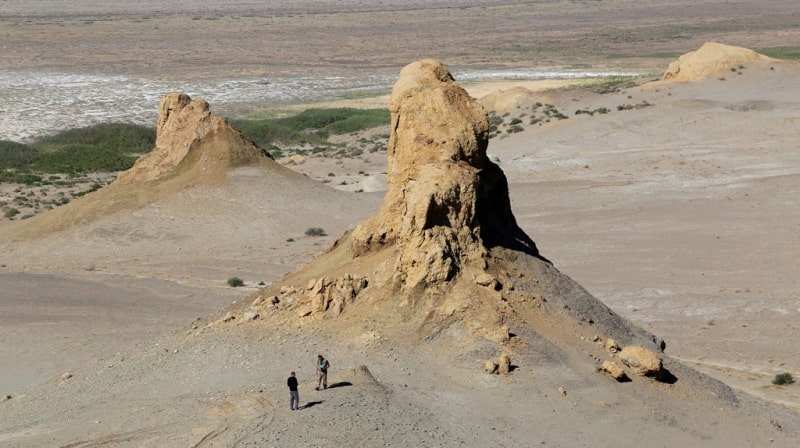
column 680, row 215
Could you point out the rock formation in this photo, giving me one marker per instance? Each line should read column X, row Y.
column 446, row 204
column 190, row 138
column 193, row 147
column 444, row 249
column 711, row 60
column 643, row 361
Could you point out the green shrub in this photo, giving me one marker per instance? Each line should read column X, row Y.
column 122, row 138
column 11, row 213
column 235, row 282
column 315, row 231
column 786, row 52
column 783, row 378
column 82, row 158
column 15, row 155
column 611, row 84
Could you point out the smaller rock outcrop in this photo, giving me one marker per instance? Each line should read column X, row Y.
column 711, row 60
column 614, row 370
column 643, row 361
column 193, row 147
column 333, row 294
column 191, row 138
column 504, row 364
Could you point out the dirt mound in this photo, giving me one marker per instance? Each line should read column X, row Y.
column 193, row 147
column 506, row 100
column 710, row 60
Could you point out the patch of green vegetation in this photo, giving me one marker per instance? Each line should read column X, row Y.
column 15, row 155
column 78, row 158
column 641, row 105
column 122, row 138
column 310, row 127
column 100, row 148
column 785, row 52
column 611, row 84
column 235, row 282
column 783, row 378
column 599, row 110
column 11, row 213
column 315, row 231
column 495, row 121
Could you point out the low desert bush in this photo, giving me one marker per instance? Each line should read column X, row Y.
column 235, row 282
column 315, row 231
column 783, row 378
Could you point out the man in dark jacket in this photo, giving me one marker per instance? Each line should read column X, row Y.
column 294, row 395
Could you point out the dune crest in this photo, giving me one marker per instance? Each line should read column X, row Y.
column 710, row 60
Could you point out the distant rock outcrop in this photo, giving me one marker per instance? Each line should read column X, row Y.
column 711, row 60
column 193, row 147
column 190, row 138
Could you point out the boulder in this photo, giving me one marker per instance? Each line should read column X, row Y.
column 614, row 370
column 504, row 364
column 643, row 361
column 333, row 294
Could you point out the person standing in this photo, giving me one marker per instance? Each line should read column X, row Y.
column 294, row 395
column 322, row 372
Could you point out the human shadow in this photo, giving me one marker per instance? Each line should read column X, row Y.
column 312, row 404
column 340, row 384
column 667, row 377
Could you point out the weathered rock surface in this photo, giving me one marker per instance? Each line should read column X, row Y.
column 333, row 294
column 614, row 370
column 643, row 361
column 190, row 137
column 504, row 364
column 446, row 203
